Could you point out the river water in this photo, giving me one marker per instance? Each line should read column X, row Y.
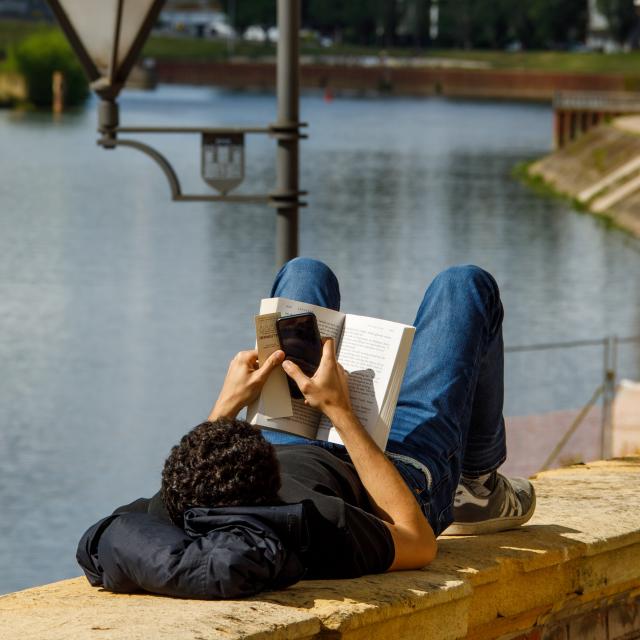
column 120, row 309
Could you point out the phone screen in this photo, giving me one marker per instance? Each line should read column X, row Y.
column 300, row 340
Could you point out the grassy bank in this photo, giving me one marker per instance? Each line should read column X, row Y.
column 541, row 187
column 561, row 61
column 545, row 189
column 164, row 47
column 568, row 172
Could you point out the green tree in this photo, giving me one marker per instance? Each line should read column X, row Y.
column 355, row 21
column 536, row 24
column 419, row 22
column 493, row 24
column 622, row 18
column 389, row 11
column 38, row 56
column 247, row 12
column 551, row 23
column 467, row 23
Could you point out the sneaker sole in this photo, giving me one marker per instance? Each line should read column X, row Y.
column 489, row 526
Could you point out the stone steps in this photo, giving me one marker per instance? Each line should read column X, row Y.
column 601, row 170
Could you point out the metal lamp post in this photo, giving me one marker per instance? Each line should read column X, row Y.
column 108, row 35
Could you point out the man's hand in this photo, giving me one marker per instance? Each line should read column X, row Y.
column 328, row 389
column 243, row 382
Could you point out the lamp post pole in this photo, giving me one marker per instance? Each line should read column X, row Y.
column 288, row 117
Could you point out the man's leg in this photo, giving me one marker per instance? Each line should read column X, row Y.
column 449, row 413
column 307, row 280
column 311, row 281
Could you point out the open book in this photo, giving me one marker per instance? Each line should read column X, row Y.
column 374, row 353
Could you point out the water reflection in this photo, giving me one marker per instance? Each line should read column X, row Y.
column 121, row 309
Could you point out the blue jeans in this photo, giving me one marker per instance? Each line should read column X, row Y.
column 448, row 419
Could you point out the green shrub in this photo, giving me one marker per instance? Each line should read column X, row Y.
column 38, row 56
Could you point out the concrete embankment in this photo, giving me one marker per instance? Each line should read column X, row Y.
column 395, row 78
column 601, row 171
column 572, row 573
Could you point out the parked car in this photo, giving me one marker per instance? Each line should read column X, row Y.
column 219, row 29
column 255, row 33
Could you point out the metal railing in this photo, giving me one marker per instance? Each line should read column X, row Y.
column 605, row 390
column 626, row 101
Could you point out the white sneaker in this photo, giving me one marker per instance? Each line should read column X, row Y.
column 479, row 509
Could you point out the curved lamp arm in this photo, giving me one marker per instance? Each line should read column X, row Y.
column 174, row 182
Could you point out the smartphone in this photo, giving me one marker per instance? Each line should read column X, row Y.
column 300, row 340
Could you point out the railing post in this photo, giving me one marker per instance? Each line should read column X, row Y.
column 288, row 81
column 58, row 91
column 609, row 383
column 558, row 128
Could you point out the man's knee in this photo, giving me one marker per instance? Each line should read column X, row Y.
column 469, row 284
column 308, row 267
column 304, row 264
column 468, row 275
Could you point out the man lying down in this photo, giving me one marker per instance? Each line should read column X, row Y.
column 241, row 511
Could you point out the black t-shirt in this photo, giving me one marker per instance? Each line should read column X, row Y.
column 346, row 539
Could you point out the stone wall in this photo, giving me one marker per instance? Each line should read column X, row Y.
column 572, row 573
column 395, row 79
column 616, row 618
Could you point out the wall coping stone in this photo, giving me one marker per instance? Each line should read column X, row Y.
column 581, row 547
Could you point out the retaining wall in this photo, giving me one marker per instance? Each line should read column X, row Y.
column 601, row 171
column 573, row 573
column 420, row 81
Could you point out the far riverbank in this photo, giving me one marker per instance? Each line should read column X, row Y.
column 345, row 69
column 345, row 78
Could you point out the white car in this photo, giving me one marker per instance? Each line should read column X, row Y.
column 255, row 33
column 221, row 30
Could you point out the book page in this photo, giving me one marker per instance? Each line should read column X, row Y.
column 303, row 422
column 368, row 352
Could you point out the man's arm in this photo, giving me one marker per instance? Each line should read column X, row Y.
column 393, row 502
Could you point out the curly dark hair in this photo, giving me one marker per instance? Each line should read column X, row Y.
column 220, row 464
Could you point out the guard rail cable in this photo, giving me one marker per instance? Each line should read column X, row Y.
column 607, row 389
